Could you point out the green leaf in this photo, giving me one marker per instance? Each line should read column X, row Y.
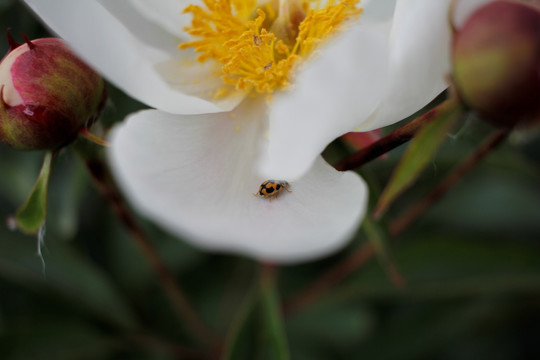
column 2, row 325
column 6, row 4
column 419, row 153
column 273, row 319
column 446, row 266
column 258, row 331
column 31, row 216
column 379, row 240
column 57, row 339
column 68, row 277
column 327, row 328
column 498, row 202
column 238, row 344
column 436, row 330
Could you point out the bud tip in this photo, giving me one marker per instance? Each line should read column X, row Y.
column 12, row 43
column 30, row 44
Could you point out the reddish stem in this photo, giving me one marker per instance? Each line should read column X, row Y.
column 394, row 139
column 105, row 184
column 361, row 256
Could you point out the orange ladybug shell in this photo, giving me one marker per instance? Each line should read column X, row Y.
column 272, row 188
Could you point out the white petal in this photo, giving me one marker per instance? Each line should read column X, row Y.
column 419, row 60
column 194, row 176
column 378, row 15
column 377, row 10
column 465, row 8
column 128, row 50
column 126, row 15
column 166, row 13
column 344, row 83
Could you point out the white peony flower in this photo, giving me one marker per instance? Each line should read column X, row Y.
column 194, row 164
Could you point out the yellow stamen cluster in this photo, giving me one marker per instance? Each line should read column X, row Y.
column 235, row 33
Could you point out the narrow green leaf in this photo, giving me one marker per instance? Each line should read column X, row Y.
column 70, row 277
column 379, row 240
column 447, row 266
column 31, row 216
column 59, row 339
column 239, row 341
column 320, row 329
column 2, row 324
column 376, row 238
column 258, row 331
column 430, row 331
column 420, row 152
column 277, row 339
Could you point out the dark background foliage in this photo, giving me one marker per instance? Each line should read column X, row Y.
column 471, row 267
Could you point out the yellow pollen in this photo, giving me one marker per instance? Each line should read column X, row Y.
column 236, row 34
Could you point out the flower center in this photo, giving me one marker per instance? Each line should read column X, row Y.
column 260, row 46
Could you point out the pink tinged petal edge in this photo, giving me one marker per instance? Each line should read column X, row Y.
column 194, row 176
column 343, row 84
column 419, row 60
column 106, row 37
column 10, row 94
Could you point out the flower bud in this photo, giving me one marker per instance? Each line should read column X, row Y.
column 47, row 95
column 496, row 62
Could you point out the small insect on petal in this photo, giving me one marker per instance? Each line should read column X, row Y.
column 268, row 66
column 271, row 188
column 257, row 40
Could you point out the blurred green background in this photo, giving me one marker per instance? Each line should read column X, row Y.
column 471, row 266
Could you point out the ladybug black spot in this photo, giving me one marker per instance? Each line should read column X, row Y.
column 278, row 186
column 269, row 190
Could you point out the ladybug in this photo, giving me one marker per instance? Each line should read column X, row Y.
column 271, row 188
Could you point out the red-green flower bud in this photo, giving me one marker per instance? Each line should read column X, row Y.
column 496, row 62
column 47, row 94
